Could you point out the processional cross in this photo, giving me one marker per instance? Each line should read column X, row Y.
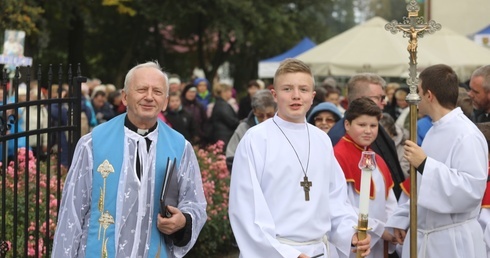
column 413, row 27
column 306, row 187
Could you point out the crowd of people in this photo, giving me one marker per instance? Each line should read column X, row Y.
column 293, row 150
column 272, row 216
column 100, row 103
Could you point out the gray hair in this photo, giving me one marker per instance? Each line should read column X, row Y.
column 150, row 64
column 358, row 85
column 388, row 123
column 263, row 99
column 484, row 72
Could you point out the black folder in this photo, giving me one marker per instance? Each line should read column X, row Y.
column 170, row 189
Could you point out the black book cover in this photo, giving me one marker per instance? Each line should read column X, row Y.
column 170, row 189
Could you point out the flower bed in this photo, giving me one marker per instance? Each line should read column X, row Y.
column 39, row 206
column 216, row 237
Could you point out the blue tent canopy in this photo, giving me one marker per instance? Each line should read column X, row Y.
column 482, row 37
column 486, row 30
column 268, row 67
column 302, row 46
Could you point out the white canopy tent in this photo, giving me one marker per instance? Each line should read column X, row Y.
column 370, row 48
column 457, row 51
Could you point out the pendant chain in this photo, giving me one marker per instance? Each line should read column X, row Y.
column 295, row 152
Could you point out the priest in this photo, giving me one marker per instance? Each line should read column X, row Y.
column 111, row 199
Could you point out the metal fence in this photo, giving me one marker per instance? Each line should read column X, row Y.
column 39, row 127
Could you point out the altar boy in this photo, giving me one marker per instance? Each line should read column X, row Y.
column 361, row 127
column 288, row 192
column 452, row 174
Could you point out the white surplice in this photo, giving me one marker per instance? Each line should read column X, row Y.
column 450, row 191
column 268, row 211
column 380, row 209
column 135, row 199
column 484, row 220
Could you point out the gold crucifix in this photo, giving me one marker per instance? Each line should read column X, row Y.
column 412, row 43
column 306, row 187
column 413, row 27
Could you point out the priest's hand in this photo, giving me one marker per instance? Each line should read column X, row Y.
column 362, row 246
column 173, row 224
column 413, row 153
column 400, row 235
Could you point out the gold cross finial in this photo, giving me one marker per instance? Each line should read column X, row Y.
column 413, row 9
column 413, row 27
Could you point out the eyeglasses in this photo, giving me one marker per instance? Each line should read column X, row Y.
column 263, row 116
column 379, row 98
column 324, row 120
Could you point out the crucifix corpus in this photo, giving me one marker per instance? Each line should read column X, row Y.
column 413, row 27
column 306, row 187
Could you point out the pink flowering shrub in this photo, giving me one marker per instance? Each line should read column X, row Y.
column 36, row 199
column 216, row 236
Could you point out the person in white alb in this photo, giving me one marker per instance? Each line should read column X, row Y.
column 287, row 189
column 452, row 174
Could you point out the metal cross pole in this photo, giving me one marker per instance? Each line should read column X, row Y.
column 413, row 27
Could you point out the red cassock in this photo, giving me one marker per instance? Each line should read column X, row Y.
column 348, row 154
column 486, row 197
column 405, row 185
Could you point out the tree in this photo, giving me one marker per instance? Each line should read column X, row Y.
column 244, row 32
column 107, row 37
column 389, row 9
column 20, row 15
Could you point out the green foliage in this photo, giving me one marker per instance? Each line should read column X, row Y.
column 390, row 9
column 107, row 37
column 121, row 5
column 20, row 15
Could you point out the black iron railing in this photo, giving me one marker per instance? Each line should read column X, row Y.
column 39, row 128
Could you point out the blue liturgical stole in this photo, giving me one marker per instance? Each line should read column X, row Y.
column 108, row 143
